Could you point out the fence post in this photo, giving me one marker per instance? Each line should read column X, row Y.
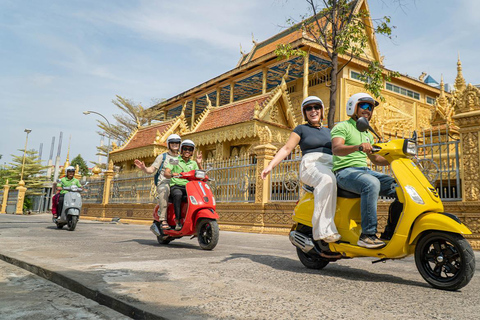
column 21, row 197
column 265, row 154
column 6, row 187
column 108, row 176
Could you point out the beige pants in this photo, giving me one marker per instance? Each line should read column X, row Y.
column 316, row 171
column 163, row 191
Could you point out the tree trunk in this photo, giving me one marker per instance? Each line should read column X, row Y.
column 333, row 91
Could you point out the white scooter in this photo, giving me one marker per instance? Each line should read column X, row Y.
column 72, row 203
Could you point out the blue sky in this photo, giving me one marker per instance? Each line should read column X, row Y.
column 59, row 58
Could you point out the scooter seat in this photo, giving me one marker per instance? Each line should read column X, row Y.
column 346, row 194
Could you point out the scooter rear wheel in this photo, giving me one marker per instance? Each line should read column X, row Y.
column 310, row 261
column 445, row 260
column 164, row 239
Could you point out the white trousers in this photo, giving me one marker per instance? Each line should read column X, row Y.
column 163, row 191
column 316, row 171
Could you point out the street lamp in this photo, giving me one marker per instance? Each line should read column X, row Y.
column 24, row 152
column 109, row 126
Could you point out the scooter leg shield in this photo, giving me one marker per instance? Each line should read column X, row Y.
column 436, row 221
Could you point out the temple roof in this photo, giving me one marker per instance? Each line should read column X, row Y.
column 145, row 136
column 237, row 112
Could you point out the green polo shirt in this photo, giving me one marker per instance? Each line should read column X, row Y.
column 182, row 166
column 65, row 182
column 349, row 132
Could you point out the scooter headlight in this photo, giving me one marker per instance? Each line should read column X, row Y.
column 199, row 174
column 74, row 188
column 410, row 147
column 414, row 195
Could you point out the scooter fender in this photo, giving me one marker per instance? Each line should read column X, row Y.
column 73, row 212
column 206, row 213
column 436, row 221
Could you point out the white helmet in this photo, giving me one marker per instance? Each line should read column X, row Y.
column 70, row 168
column 173, row 138
column 355, row 99
column 188, row 143
column 312, row 100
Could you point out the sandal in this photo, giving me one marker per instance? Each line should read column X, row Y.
column 164, row 225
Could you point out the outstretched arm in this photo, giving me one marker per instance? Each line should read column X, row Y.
column 292, row 142
column 141, row 165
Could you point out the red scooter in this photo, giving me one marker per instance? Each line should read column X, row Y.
column 199, row 217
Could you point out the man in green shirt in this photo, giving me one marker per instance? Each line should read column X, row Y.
column 350, row 149
column 178, row 185
column 67, row 181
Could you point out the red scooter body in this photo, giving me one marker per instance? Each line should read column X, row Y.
column 199, row 216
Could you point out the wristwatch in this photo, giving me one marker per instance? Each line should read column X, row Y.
column 360, row 148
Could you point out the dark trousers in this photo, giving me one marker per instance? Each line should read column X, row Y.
column 177, row 193
column 60, row 204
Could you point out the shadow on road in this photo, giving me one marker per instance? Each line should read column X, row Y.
column 332, row 270
column 171, row 245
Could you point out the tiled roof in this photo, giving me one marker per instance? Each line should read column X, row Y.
column 146, row 136
column 231, row 114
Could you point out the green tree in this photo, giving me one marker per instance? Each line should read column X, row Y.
column 132, row 117
column 32, row 175
column 341, row 30
column 83, row 168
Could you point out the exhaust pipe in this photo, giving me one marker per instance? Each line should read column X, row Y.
column 301, row 241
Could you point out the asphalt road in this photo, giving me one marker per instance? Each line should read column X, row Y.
column 247, row 276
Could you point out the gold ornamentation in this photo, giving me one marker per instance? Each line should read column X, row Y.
column 265, row 135
column 471, row 166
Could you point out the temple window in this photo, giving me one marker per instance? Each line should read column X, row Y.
column 430, row 100
column 355, row 75
column 402, row 91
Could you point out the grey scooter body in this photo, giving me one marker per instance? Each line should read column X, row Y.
column 72, row 203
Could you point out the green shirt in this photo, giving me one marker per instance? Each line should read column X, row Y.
column 182, row 166
column 65, row 182
column 349, row 132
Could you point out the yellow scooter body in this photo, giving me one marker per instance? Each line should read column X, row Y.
column 417, row 216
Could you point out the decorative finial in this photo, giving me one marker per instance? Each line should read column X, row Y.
column 460, row 84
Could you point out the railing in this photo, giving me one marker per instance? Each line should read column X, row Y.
column 132, row 187
column 12, row 201
column 94, row 191
column 233, row 180
column 285, row 179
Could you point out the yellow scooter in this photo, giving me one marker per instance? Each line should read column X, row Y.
column 443, row 256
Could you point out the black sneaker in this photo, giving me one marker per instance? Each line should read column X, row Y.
column 370, row 241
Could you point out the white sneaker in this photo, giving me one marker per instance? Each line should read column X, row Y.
column 332, row 238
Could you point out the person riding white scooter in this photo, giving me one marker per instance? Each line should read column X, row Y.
column 69, row 201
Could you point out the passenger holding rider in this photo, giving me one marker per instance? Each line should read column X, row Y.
column 315, row 168
column 351, row 149
column 67, row 181
column 178, row 185
column 163, row 184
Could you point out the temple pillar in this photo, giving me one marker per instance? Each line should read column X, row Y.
column 264, row 80
column 21, row 197
column 194, row 103
column 305, row 76
column 217, row 102
column 469, row 128
column 6, row 187
column 265, row 154
column 232, row 85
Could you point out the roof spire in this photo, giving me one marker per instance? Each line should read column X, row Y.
column 459, row 80
column 441, row 100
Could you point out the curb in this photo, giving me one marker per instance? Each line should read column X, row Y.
column 92, row 294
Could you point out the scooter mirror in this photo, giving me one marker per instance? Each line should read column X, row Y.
column 362, row 124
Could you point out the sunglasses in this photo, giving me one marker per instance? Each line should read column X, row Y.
column 365, row 106
column 310, row 108
column 187, row 149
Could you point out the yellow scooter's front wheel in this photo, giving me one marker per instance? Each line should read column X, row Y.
column 445, row 260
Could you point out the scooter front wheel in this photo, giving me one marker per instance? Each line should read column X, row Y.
column 208, row 234
column 445, row 260
column 164, row 239
column 310, row 261
column 72, row 222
